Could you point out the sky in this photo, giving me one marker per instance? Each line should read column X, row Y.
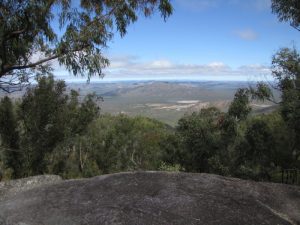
column 202, row 40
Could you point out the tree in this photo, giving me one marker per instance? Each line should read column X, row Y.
column 29, row 42
column 48, row 116
column 258, row 146
column 9, row 137
column 200, row 139
column 281, row 154
column 42, row 117
column 240, row 107
column 111, row 144
column 286, row 69
column 288, row 11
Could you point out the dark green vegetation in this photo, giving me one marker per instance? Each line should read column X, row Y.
column 50, row 131
column 85, row 28
column 53, row 131
column 287, row 10
column 33, row 127
column 238, row 145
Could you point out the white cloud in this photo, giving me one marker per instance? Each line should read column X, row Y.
column 122, row 60
column 246, row 34
column 132, row 68
column 160, row 64
column 216, row 64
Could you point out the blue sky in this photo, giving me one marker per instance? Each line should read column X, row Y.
column 202, row 40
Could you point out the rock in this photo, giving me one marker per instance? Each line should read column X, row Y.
column 12, row 187
column 153, row 198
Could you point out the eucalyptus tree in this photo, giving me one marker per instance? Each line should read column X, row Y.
column 10, row 153
column 288, row 11
column 35, row 32
column 286, row 69
column 48, row 116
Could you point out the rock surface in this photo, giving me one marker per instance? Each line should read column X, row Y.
column 150, row 198
column 12, row 187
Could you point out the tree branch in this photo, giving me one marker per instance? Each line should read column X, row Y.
column 295, row 27
column 32, row 65
column 20, row 31
column 15, row 33
column 112, row 11
column 29, row 65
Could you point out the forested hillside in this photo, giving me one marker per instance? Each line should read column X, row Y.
column 52, row 131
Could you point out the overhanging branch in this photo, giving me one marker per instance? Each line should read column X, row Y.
column 32, row 65
column 295, row 27
column 39, row 62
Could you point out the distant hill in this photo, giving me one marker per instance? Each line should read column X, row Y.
column 177, row 90
column 166, row 101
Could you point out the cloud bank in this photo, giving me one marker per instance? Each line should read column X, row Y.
column 131, row 68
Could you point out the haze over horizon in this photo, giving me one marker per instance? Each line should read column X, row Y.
column 203, row 40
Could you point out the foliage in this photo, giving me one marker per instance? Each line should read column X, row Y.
column 288, row 11
column 52, row 131
column 9, row 137
column 29, row 41
column 286, row 69
column 42, row 115
column 47, row 117
column 170, row 167
column 234, row 144
column 61, row 134
column 111, row 144
column 262, row 92
column 240, row 108
column 58, row 133
column 200, row 138
column 256, row 149
column 282, row 154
